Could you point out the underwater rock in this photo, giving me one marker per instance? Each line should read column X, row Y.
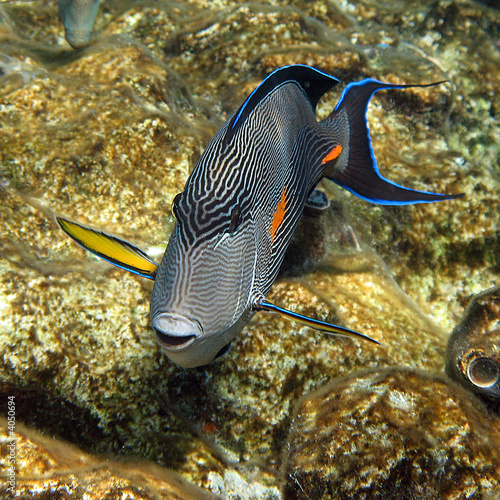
column 113, row 134
column 232, row 486
column 473, row 353
column 392, row 434
column 48, row 468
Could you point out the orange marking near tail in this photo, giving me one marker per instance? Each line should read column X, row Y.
column 279, row 215
column 334, row 153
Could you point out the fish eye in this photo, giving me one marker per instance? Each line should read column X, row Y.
column 483, row 372
column 175, row 205
column 235, row 219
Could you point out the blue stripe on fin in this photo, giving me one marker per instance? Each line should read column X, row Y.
column 361, row 176
column 330, row 328
column 314, row 82
column 407, row 196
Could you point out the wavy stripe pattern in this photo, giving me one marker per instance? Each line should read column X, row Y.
column 214, row 276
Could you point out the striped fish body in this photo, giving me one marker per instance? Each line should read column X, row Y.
column 241, row 205
column 243, row 201
column 216, row 269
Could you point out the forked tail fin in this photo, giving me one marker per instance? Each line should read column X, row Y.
column 356, row 169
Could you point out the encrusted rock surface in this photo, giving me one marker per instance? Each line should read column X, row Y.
column 392, row 434
column 108, row 135
column 50, row 469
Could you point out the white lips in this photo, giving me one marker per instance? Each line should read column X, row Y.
column 175, row 331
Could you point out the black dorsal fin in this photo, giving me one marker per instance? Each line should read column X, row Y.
column 313, row 81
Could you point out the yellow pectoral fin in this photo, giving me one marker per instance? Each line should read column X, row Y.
column 118, row 252
column 313, row 323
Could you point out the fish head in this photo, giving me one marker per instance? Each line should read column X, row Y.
column 202, row 293
column 473, row 351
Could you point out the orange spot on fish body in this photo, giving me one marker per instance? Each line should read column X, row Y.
column 279, row 214
column 333, row 154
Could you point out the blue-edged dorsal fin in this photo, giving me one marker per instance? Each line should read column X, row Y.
column 313, row 81
column 118, row 252
column 361, row 175
column 329, row 328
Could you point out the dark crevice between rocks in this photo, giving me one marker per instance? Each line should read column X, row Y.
column 55, row 416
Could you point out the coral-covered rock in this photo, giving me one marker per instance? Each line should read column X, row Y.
column 48, row 468
column 392, row 434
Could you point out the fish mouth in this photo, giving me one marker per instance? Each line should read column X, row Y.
column 173, row 341
column 175, row 332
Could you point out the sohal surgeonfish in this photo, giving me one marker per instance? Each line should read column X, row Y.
column 241, row 205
